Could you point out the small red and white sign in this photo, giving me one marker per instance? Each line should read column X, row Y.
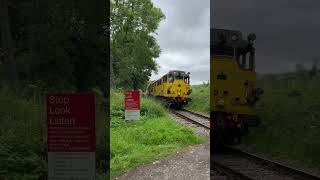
column 71, row 136
column 132, row 105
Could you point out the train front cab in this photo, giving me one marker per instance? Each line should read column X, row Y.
column 177, row 88
column 173, row 87
column 232, row 89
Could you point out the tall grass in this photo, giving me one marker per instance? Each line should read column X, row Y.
column 290, row 112
column 200, row 99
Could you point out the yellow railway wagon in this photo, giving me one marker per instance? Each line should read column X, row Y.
column 232, row 88
column 173, row 88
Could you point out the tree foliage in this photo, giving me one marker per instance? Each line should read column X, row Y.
column 133, row 46
column 314, row 70
column 59, row 45
column 54, row 46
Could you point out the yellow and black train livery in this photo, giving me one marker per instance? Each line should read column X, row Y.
column 233, row 85
column 173, row 88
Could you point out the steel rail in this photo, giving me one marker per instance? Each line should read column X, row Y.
column 189, row 119
column 231, row 172
column 197, row 114
column 272, row 165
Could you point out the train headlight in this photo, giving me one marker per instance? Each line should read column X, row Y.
column 234, row 37
column 220, row 102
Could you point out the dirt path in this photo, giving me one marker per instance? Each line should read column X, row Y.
column 191, row 163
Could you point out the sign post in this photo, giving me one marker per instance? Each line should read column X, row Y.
column 132, row 105
column 71, row 136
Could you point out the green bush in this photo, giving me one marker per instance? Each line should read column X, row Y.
column 22, row 150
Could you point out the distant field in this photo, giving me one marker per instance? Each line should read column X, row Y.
column 143, row 141
column 200, row 99
column 290, row 112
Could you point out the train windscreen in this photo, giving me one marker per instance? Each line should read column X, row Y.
column 179, row 75
column 176, row 75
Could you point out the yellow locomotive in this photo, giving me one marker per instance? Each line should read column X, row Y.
column 173, row 88
column 232, row 88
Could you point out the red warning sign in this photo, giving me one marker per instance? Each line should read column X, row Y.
column 132, row 100
column 132, row 105
column 71, row 136
column 71, row 122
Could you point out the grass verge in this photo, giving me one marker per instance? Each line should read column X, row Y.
column 138, row 142
column 200, row 99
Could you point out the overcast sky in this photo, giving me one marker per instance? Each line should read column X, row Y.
column 288, row 31
column 184, row 38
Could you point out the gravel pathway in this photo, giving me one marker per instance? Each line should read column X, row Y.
column 192, row 163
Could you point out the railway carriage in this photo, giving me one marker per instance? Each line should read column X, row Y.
column 173, row 88
column 232, row 89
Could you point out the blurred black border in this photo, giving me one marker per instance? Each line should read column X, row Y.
column 97, row 28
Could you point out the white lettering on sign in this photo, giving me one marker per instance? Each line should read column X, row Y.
column 71, row 136
column 54, row 100
column 63, row 110
column 59, row 100
column 62, row 120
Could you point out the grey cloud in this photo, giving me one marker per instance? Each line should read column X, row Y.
column 287, row 30
column 197, row 64
column 184, row 14
column 184, row 38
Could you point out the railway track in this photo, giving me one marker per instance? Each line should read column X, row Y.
column 237, row 164
column 197, row 114
column 243, row 165
column 193, row 117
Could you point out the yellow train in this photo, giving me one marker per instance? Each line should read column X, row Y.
column 233, row 85
column 173, row 88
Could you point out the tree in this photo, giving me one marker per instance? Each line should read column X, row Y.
column 301, row 70
column 133, row 46
column 56, row 45
column 314, row 69
column 7, row 45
